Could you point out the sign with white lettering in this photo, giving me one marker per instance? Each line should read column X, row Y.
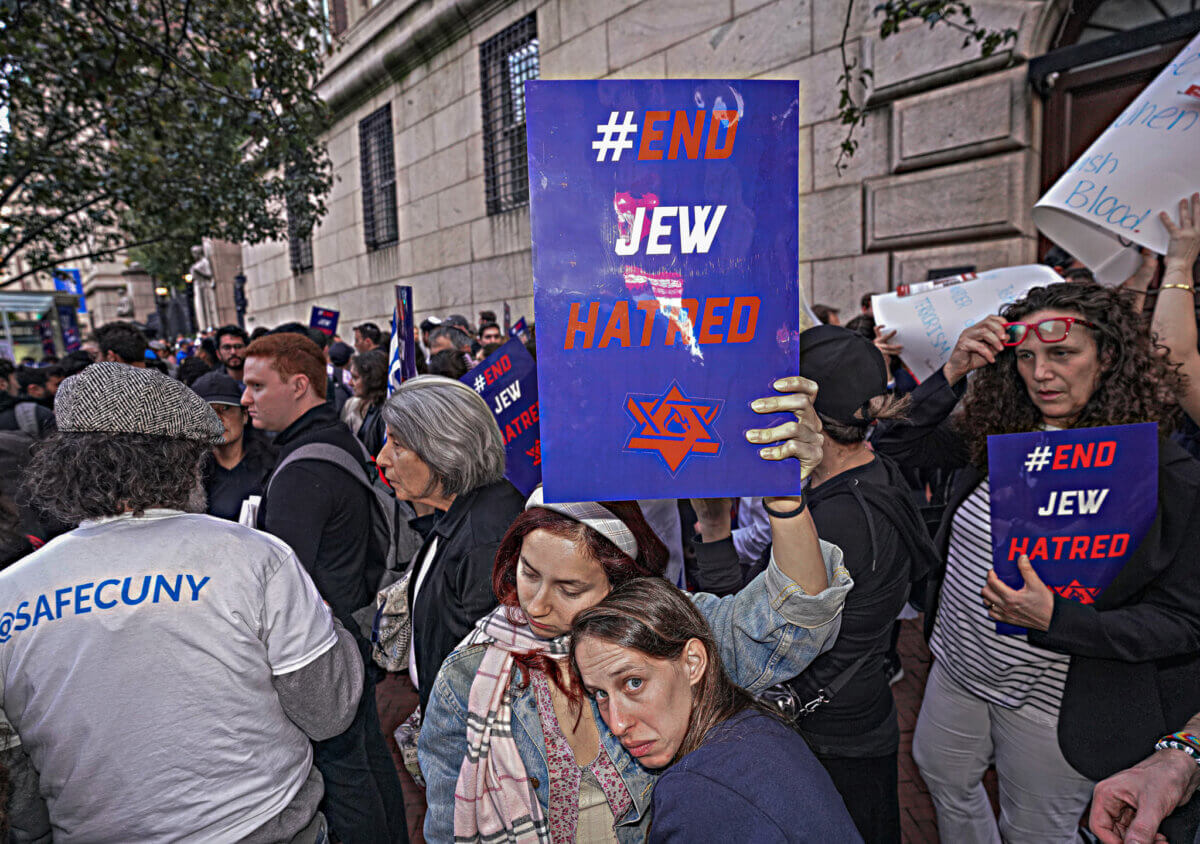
column 1076, row 502
column 664, row 217
column 507, row 381
column 929, row 316
column 1145, row 162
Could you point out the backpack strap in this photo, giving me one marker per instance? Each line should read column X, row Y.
column 326, row 453
column 27, row 421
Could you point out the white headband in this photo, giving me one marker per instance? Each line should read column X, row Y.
column 596, row 516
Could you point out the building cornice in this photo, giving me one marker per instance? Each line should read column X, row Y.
column 393, row 39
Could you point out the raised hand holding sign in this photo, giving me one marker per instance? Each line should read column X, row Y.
column 1031, row 606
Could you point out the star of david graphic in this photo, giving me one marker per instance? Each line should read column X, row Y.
column 1075, row 591
column 535, row 453
column 673, row 425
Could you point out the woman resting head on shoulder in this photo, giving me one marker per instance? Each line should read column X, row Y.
column 650, row 662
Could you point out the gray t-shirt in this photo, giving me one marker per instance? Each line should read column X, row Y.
column 136, row 657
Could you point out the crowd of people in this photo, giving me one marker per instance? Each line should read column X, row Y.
column 201, row 542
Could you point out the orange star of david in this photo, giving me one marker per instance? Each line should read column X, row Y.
column 673, row 425
column 1075, row 591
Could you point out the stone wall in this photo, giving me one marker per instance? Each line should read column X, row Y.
column 945, row 173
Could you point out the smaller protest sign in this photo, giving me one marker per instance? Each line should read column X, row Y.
column 1077, row 502
column 325, row 320
column 507, row 381
column 70, row 280
column 1107, row 202
column 929, row 316
column 507, row 320
column 402, row 354
column 519, row 329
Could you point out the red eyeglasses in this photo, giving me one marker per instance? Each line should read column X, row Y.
column 1052, row 330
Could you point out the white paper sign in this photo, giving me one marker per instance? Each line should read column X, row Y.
column 930, row 317
column 1145, row 162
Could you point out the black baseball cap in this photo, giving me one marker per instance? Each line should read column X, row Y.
column 847, row 367
column 217, row 388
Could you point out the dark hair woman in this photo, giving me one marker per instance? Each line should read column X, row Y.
column 368, row 376
column 649, row 660
column 510, row 750
column 1078, row 697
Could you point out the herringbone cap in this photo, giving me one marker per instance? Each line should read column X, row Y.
column 113, row 398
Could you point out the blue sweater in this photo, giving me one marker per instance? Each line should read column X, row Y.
column 754, row 780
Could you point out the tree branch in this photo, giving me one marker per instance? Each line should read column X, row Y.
column 99, row 253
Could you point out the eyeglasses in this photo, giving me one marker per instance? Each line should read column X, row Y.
column 1052, row 330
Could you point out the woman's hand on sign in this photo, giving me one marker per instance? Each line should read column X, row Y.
column 1030, row 606
column 976, row 348
column 884, row 343
column 799, row 438
column 1184, row 246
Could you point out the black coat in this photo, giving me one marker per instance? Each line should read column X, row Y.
column 457, row 591
column 1135, row 653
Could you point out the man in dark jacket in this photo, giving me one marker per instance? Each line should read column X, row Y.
column 325, row 515
column 20, row 413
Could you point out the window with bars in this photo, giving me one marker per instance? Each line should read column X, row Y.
column 378, row 178
column 299, row 248
column 506, row 61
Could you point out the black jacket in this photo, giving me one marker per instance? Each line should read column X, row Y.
column 1135, row 653
column 226, row 489
column 325, row 515
column 373, row 431
column 8, row 415
column 457, row 591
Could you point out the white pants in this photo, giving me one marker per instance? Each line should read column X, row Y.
column 959, row 734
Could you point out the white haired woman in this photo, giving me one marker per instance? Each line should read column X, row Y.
column 444, row 449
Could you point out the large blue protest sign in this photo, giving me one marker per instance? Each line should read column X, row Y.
column 1077, row 502
column 507, row 381
column 664, row 220
column 325, row 320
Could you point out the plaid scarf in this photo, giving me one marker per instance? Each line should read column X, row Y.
column 493, row 799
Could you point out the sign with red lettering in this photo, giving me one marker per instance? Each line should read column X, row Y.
column 1076, row 502
column 507, row 381
column 664, row 218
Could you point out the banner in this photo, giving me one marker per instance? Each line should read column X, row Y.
column 507, row 381
column 1143, row 163
column 1076, row 502
column 664, row 217
column 929, row 316
column 70, row 280
column 325, row 320
column 518, row 329
column 402, row 354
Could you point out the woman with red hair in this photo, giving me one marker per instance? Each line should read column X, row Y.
column 510, row 749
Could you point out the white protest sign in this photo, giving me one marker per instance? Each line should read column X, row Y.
column 1145, row 162
column 931, row 315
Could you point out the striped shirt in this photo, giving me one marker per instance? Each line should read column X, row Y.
column 1004, row 670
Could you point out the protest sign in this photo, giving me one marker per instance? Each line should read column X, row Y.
column 664, row 218
column 1076, row 502
column 325, row 320
column 402, row 355
column 1144, row 162
column 70, row 280
column 929, row 316
column 507, row 381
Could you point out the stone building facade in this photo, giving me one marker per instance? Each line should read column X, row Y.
column 950, row 160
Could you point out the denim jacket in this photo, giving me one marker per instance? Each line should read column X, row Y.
column 768, row 632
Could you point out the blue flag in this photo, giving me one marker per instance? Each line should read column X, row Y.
column 402, row 355
column 664, row 217
column 507, row 381
column 1076, row 502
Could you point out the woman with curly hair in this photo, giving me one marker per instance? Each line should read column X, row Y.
column 1082, row 694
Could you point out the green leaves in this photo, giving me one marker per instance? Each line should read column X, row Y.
column 956, row 14
column 133, row 122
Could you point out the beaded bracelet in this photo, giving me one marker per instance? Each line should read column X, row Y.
column 1187, row 742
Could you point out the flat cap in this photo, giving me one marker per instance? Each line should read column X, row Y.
column 113, row 398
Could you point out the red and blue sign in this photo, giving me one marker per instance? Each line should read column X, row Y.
column 507, row 382
column 325, row 320
column 664, row 217
column 1077, row 502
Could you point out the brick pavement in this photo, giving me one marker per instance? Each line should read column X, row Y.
column 397, row 698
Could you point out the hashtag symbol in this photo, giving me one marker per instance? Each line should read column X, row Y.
column 607, row 142
column 1037, row 459
column 479, row 383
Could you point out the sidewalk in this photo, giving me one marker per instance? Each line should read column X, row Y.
column 397, row 698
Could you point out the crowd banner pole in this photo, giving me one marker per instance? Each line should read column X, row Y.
column 1108, row 201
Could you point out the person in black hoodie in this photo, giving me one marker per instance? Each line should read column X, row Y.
column 860, row 502
column 239, row 468
column 325, row 514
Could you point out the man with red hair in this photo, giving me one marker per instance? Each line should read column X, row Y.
column 324, row 513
